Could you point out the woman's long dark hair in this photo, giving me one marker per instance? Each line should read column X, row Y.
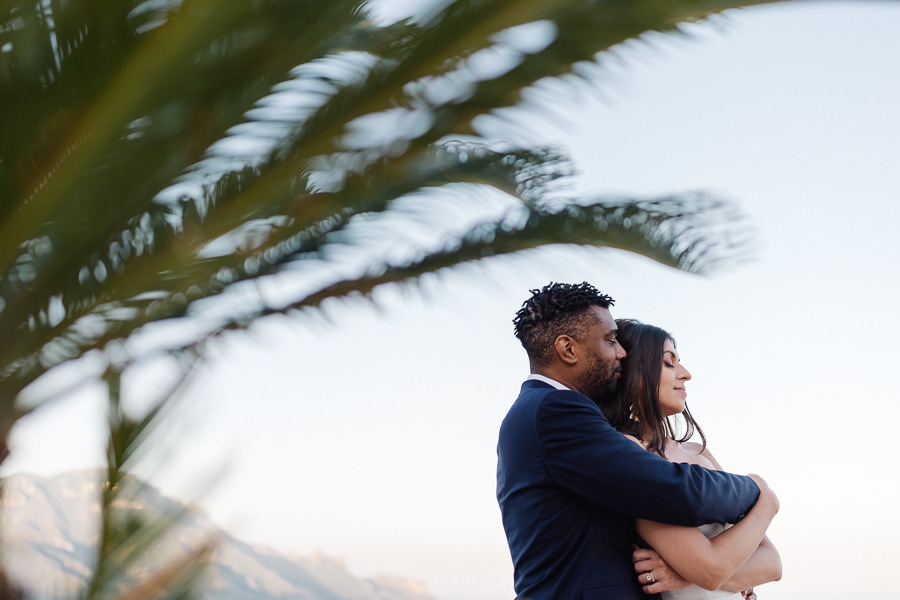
column 638, row 390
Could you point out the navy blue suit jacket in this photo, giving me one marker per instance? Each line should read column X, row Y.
column 570, row 487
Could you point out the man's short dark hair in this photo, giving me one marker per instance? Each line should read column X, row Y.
column 556, row 309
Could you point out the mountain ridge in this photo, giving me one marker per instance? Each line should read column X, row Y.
column 50, row 538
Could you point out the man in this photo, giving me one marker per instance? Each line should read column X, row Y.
column 569, row 485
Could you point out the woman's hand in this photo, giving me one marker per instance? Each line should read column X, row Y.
column 662, row 578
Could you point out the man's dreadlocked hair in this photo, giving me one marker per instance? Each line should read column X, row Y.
column 557, row 309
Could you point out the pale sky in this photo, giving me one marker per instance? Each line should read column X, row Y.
column 372, row 436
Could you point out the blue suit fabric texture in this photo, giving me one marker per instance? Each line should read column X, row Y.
column 570, row 487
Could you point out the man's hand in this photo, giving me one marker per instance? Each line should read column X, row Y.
column 654, row 574
column 765, row 493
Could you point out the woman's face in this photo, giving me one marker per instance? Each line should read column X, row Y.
column 672, row 393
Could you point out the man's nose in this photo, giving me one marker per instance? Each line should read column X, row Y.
column 620, row 351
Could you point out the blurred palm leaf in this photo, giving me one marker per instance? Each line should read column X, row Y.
column 132, row 563
column 158, row 153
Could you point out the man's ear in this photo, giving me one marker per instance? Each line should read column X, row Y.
column 565, row 348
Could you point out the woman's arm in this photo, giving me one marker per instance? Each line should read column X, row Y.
column 762, row 567
column 709, row 563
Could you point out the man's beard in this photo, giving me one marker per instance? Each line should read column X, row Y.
column 598, row 382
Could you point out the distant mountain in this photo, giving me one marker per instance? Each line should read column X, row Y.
column 50, row 534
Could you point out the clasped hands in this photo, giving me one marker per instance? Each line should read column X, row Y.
column 655, row 575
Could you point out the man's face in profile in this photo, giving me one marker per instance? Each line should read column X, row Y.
column 602, row 357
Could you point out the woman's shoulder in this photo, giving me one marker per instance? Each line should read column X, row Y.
column 693, row 447
column 691, row 452
column 635, row 440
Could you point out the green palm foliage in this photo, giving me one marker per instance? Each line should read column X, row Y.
column 209, row 162
column 133, row 561
column 156, row 154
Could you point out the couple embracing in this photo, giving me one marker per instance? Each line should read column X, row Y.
column 600, row 499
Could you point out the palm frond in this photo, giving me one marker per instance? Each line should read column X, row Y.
column 129, row 538
column 157, row 154
column 684, row 232
column 207, row 147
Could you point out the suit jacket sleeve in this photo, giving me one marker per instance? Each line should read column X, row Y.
column 585, row 455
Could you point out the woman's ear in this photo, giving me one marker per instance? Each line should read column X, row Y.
column 565, row 348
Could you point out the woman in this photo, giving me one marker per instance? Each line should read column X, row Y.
column 713, row 561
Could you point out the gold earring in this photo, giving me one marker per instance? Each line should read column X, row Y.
column 632, row 414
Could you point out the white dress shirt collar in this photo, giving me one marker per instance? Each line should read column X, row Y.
column 547, row 380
